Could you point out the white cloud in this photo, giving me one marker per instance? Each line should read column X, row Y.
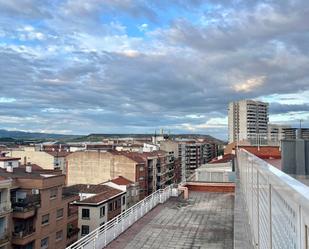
column 7, row 100
column 249, row 85
column 143, row 27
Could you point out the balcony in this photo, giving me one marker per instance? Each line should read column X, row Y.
column 23, row 237
column 26, row 207
column 4, row 238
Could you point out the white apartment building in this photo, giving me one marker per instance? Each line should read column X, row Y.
column 98, row 204
column 246, row 118
column 277, row 132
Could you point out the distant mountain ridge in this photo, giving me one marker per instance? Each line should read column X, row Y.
column 98, row 137
column 6, row 135
column 32, row 135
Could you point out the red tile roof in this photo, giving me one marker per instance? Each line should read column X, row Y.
column 120, row 180
column 87, row 188
column 58, row 153
column 102, row 192
column 264, row 152
column 225, row 158
column 9, row 159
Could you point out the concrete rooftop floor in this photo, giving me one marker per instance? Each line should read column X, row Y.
column 203, row 221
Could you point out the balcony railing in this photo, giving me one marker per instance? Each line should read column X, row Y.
column 106, row 233
column 4, row 237
column 26, row 204
column 24, row 233
column 277, row 204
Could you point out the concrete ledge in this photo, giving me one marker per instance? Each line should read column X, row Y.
column 211, row 187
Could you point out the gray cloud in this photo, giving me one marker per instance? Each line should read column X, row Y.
column 91, row 76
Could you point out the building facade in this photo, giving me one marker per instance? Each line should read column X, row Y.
column 40, row 216
column 50, row 159
column 246, row 118
column 95, row 167
column 5, row 212
column 97, row 205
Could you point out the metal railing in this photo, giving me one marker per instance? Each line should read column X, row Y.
column 103, row 235
column 26, row 204
column 277, row 204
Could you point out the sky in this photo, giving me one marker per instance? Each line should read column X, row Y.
column 134, row 66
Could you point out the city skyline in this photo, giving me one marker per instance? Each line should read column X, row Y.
column 80, row 67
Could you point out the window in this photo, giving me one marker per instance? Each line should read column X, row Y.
column 102, row 211
column 59, row 213
column 59, row 235
column 44, row 243
column 85, row 214
column 85, row 230
column 124, row 200
column 110, row 206
column 141, row 168
column 45, row 219
column 53, row 193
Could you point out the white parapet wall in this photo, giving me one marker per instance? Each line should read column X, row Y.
column 277, row 204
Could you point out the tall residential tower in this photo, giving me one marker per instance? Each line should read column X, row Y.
column 247, row 118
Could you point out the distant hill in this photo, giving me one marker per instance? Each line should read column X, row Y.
column 100, row 137
column 32, row 135
column 20, row 136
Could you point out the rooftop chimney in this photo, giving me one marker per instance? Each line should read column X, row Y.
column 28, row 168
column 9, row 168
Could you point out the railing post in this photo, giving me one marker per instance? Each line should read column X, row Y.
column 122, row 220
column 105, row 236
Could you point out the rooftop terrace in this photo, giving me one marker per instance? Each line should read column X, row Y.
column 205, row 220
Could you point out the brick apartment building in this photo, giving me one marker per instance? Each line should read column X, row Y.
column 150, row 170
column 36, row 213
column 189, row 154
column 95, row 167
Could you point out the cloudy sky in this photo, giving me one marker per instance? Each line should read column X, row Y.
column 119, row 66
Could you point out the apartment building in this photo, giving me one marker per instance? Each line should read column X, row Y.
column 50, row 159
column 97, row 205
column 41, row 216
column 95, row 167
column 5, row 212
column 247, row 118
column 161, row 169
column 189, row 154
column 132, row 189
column 278, row 132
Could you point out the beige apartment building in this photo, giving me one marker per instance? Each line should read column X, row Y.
column 50, row 159
column 95, row 167
column 42, row 217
